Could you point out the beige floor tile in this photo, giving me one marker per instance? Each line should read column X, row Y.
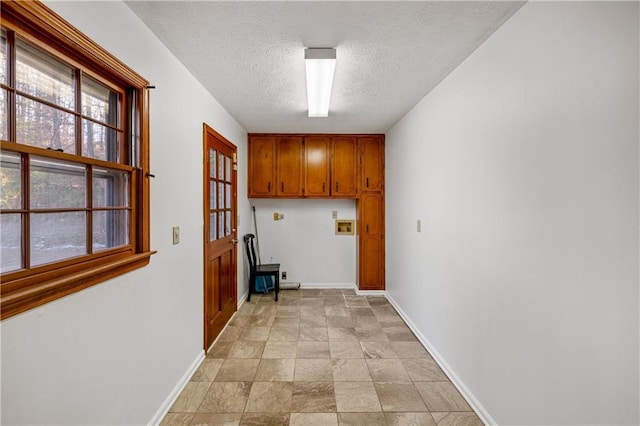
column 266, row 397
column 207, row 370
column 287, row 322
column 442, row 396
column 209, row 419
column 310, row 302
column 266, row 308
column 382, row 311
column 225, row 397
column 260, row 320
column 371, row 335
column 190, row 398
column 410, row 350
column 390, row 321
column 237, row 370
column 251, row 333
column 423, row 370
column 265, row 419
column 313, row 419
column 365, row 322
column 361, row 419
column 288, row 311
column 239, row 320
column 313, row 350
column 314, row 311
column 356, row 302
column 400, row 333
column 399, row 397
column 356, row 397
column 350, row 370
column 457, row 419
column 378, row 350
column 280, row 334
column 336, row 311
column 221, row 349
column 360, row 312
column 334, row 301
column 177, row 419
column 313, row 321
column 247, row 350
column 275, row 370
column 377, row 300
column 276, row 349
column 313, row 334
column 409, row 419
column 342, row 334
column 387, row 370
column 313, row 397
column 345, row 349
column 348, row 291
column 338, row 322
column 313, row 370
column 230, row 332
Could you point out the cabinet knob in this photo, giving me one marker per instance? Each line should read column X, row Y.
column 282, row 186
column 269, row 187
column 367, row 182
column 336, row 186
column 322, row 186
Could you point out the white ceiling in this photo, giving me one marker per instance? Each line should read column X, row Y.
column 250, row 55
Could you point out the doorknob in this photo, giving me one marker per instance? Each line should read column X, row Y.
column 234, row 241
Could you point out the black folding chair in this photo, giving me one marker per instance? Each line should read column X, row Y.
column 263, row 270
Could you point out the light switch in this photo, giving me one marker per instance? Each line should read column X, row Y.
column 276, row 216
column 419, row 225
column 176, row 235
column 334, row 214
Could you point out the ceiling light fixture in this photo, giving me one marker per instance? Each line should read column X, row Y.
column 320, row 65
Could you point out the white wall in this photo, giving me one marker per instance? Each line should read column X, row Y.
column 523, row 166
column 111, row 354
column 304, row 242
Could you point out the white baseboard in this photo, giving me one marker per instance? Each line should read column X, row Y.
column 464, row 391
column 328, row 285
column 371, row 292
column 168, row 402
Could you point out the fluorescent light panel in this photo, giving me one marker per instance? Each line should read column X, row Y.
column 320, row 65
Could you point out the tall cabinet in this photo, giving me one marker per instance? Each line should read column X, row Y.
column 370, row 207
column 328, row 166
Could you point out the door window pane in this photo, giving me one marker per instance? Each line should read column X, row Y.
column 212, row 163
column 57, row 236
column 10, row 237
column 11, row 191
column 99, row 102
column 43, row 126
column 220, row 166
column 44, row 77
column 213, row 226
column 110, row 188
column 4, row 117
column 227, row 169
column 110, row 229
column 99, row 141
column 221, row 224
column 221, row 195
column 3, row 56
column 227, row 229
column 212, row 195
column 56, row 184
column 228, row 196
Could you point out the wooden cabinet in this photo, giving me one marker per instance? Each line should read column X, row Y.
column 371, row 152
column 289, row 168
column 317, row 152
column 371, row 271
column 262, row 166
column 344, row 166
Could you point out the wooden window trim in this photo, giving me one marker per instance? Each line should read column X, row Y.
column 20, row 292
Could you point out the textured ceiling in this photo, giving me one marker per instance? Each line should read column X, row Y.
column 250, row 55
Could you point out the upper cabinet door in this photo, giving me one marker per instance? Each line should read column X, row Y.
column 262, row 166
column 290, row 171
column 371, row 163
column 344, row 166
column 316, row 163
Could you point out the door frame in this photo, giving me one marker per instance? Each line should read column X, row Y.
column 208, row 131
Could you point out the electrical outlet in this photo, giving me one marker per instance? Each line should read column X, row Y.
column 176, row 235
column 334, row 214
column 419, row 226
column 284, row 275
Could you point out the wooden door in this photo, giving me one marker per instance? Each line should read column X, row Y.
column 371, row 241
column 220, row 240
column 290, row 173
column 371, row 163
column 344, row 166
column 316, row 165
column 262, row 166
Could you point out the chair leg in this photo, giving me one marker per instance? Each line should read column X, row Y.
column 277, row 290
column 252, row 284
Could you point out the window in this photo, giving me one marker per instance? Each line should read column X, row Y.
column 74, row 200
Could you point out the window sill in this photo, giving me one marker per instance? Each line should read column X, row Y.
column 13, row 302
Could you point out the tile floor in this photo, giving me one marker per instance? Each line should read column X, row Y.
column 319, row 357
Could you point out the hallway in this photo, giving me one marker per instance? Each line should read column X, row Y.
column 319, row 357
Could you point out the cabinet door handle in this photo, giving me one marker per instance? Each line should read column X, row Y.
column 367, row 182
column 269, row 187
column 336, row 186
column 323, row 186
column 282, row 186
column 367, row 228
